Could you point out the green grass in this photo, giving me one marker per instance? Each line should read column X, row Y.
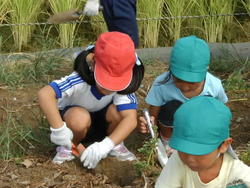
column 67, row 32
column 148, row 29
column 18, row 137
column 38, row 69
column 23, row 11
column 245, row 156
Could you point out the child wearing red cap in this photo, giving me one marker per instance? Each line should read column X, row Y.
column 188, row 77
column 96, row 103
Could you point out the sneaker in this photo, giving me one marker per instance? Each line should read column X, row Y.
column 62, row 154
column 122, row 153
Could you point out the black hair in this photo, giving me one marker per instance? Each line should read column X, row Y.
column 82, row 68
column 138, row 74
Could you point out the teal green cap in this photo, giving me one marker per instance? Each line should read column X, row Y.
column 189, row 59
column 200, row 125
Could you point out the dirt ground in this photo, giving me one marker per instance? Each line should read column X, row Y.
column 35, row 169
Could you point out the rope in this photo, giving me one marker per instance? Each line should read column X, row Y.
column 138, row 19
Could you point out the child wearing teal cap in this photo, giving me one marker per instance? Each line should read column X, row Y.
column 188, row 77
column 201, row 138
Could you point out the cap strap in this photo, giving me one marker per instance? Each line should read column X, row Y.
column 137, row 61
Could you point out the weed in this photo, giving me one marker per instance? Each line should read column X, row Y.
column 18, row 136
column 245, row 156
column 39, row 69
column 237, row 80
column 148, row 154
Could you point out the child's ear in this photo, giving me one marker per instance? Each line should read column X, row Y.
column 224, row 146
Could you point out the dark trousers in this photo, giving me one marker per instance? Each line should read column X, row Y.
column 120, row 15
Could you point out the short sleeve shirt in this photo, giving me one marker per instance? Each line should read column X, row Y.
column 161, row 93
column 233, row 174
column 72, row 90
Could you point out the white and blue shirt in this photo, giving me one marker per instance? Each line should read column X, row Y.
column 72, row 90
column 160, row 94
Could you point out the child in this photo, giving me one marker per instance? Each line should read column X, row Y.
column 119, row 15
column 188, row 77
column 97, row 101
column 201, row 138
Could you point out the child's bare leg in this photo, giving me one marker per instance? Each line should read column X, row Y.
column 78, row 120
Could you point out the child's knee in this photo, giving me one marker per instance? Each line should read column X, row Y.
column 77, row 119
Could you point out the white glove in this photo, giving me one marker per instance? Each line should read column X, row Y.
column 91, row 8
column 62, row 136
column 95, row 152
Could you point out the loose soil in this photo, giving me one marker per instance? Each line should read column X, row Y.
column 35, row 169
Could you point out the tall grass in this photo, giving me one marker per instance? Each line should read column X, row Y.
column 213, row 27
column 176, row 8
column 98, row 24
column 18, row 135
column 66, row 31
column 3, row 10
column 39, row 69
column 149, row 29
column 246, row 4
column 23, row 11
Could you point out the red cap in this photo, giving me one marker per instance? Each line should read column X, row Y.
column 114, row 60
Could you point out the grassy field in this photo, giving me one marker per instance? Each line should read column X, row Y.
column 152, row 32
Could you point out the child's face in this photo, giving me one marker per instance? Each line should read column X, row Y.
column 200, row 162
column 187, row 86
column 103, row 90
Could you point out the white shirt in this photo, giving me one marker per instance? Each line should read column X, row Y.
column 160, row 94
column 72, row 90
column 233, row 174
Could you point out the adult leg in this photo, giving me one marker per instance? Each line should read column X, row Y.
column 120, row 15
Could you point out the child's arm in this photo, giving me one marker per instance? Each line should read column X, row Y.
column 60, row 133
column 48, row 104
column 222, row 96
column 125, row 127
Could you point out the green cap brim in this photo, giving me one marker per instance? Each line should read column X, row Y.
column 188, row 76
column 192, row 148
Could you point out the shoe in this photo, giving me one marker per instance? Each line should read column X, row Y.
column 63, row 154
column 122, row 153
column 169, row 150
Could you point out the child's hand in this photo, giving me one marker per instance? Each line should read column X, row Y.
column 95, row 152
column 91, row 8
column 62, row 136
column 143, row 128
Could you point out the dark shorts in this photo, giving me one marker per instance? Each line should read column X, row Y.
column 120, row 15
column 98, row 128
column 166, row 114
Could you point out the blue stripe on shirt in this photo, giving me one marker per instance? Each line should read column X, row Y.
column 56, row 89
column 130, row 106
column 67, row 80
column 132, row 98
column 70, row 84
